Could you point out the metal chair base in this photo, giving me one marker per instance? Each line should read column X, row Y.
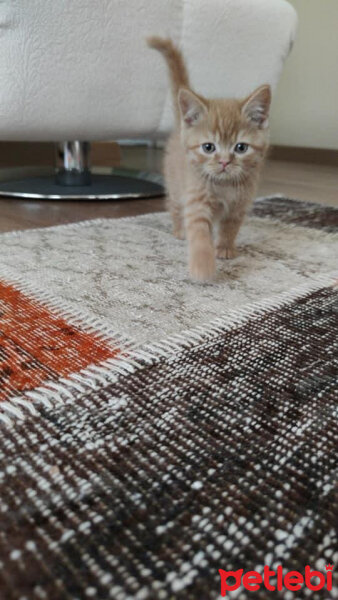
column 119, row 184
column 73, row 179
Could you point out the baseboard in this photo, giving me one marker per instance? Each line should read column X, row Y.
column 319, row 156
column 41, row 154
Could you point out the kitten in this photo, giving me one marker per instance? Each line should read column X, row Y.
column 212, row 163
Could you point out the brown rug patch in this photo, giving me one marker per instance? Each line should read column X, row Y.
column 307, row 214
column 223, row 456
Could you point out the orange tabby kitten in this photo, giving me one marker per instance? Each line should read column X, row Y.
column 212, row 163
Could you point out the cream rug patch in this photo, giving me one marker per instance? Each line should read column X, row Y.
column 130, row 275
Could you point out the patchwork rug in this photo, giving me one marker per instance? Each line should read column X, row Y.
column 155, row 430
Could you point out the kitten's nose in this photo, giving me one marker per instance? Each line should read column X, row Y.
column 224, row 163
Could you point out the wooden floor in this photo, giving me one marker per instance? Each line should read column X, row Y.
column 311, row 182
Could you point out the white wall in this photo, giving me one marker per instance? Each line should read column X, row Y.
column 305, row 108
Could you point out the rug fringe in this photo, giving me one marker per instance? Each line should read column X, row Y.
column 82, row 320
column 55, row 394
column 233, row 319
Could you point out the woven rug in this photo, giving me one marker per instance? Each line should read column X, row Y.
column 158, row 434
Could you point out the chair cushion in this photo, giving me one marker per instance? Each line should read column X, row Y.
column 78, row 69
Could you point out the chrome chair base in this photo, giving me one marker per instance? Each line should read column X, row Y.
column 119, row 184
column 73, row 179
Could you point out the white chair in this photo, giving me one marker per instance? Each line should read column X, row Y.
column 74, row 71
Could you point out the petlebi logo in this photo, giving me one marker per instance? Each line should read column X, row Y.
column 278, row 580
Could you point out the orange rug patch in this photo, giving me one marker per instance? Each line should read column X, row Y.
column 36, row 345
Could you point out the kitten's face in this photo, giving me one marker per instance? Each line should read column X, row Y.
column 225, row 139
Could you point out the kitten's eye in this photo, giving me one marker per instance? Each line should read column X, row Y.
column 240, row 148
column 208, row 148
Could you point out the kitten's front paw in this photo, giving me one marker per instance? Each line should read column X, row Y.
column 225, row 252
column 202, row 265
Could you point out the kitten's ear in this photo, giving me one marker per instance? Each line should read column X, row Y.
column 192, row 108
column 256, row 106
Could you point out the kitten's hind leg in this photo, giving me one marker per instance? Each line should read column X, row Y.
column 227, row 233
column 178, row 221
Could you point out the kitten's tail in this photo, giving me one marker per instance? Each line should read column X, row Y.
column 177, row 70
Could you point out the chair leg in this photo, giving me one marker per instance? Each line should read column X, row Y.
column 73, row 163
